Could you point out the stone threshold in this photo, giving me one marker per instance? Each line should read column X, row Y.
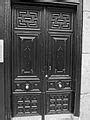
column 49, row 117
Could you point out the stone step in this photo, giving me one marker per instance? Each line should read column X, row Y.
column 49, row 117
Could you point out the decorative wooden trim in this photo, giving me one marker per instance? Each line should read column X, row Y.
column 49, row 1
column 78, row 58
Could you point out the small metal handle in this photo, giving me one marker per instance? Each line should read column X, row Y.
column 50, row 68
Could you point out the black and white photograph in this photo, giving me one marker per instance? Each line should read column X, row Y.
column 44, row 60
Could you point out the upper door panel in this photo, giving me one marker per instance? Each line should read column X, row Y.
column 27, row 17
column 60, row 51
column 60, row 19
column 26, row 54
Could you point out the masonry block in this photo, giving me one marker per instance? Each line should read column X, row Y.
column 85, row 107
column 86, row 5
column 86, row 22
column 86, row 43
column 27, row 118
column 59, row 117
column 85, row 79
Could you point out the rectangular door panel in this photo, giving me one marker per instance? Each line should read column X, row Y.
column 60, row 55
column 26, row 104
column 27, row 17
column 26, row 86
column 60, row 19
column 26, row 55
column 58, row 103
column 62, row 84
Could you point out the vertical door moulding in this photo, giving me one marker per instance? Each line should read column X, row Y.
column 1, row 51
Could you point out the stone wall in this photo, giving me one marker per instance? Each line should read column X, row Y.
column 85, row 80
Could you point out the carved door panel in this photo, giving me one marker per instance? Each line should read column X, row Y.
column 41, row 60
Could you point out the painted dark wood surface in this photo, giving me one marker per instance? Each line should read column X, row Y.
column 42, row 49
column 5, row 76
column 51, row 1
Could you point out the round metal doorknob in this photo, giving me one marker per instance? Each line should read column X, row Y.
column 46, row 76
column 27, row 86
column 60, row 85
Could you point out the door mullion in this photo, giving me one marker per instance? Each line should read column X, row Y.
column 44, row 59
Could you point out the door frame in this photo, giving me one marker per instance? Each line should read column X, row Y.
column 7, row 54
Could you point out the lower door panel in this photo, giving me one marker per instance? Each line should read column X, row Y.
column 58, row 103
column 26, row 104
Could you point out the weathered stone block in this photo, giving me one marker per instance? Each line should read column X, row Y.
column 28, row 118
column 85, row 79
column 86, row 5
column 59, row 117
column 85, row 107
column 86, row 22
column 86, row 43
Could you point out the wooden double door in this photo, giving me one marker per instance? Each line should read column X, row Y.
column 42, row 62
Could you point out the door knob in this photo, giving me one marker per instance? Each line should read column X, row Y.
column 46, row 76
column 60, row 85
column 27, row 86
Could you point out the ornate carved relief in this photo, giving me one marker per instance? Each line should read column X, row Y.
column 60, row 20
column 58, row 103
column 61, row 48
column 59, row 85
column 27, row 104
column 27, row 18
column 26, row 86
column 60, row 44
column 27, row 53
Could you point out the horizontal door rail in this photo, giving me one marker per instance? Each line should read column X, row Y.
column 48, row 1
